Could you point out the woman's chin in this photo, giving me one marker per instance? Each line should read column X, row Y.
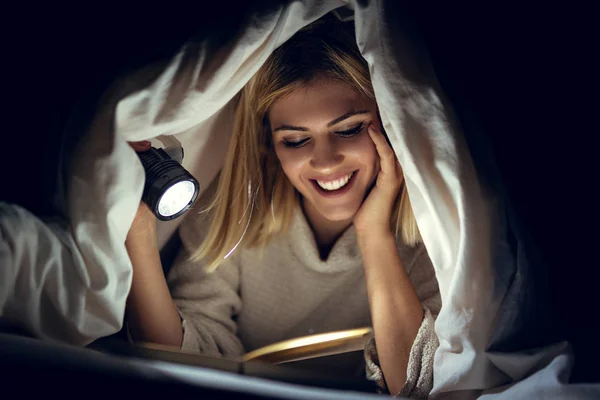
column 337, row 215
column 334, row 210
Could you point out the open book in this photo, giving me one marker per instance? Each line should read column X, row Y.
column 284, row 361
column 302, row 348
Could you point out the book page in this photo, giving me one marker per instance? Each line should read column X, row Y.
column 313, row 346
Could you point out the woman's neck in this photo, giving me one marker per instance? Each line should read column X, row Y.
column 326, row 232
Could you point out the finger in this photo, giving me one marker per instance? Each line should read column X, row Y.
column 386, row 154
column 140, row 146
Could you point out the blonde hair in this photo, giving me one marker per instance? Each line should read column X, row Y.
column 254, row 200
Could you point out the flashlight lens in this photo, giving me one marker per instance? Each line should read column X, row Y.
column 176, row 198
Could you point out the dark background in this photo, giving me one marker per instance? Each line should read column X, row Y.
column 523, row 73
column 524, row 77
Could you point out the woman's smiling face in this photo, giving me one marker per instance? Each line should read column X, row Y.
column 321, row 140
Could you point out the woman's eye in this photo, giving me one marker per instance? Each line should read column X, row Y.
column 295, row 143
column 351, row 132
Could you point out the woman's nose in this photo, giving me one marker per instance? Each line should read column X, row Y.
column 326, row 157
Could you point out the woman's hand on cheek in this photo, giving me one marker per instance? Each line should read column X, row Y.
column 143, row 228
column 373, row 217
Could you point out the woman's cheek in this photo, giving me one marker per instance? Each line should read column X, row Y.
column 291, row 159
column 362, row 147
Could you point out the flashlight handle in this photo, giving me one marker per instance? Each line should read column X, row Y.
column 152, row 156
column 162, row 172
column 156, row 162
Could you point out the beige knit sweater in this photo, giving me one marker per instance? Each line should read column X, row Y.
column 252, row 301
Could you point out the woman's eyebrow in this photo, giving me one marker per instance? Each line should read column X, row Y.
column 330, row 124
column 345, row 116
column 290, row 128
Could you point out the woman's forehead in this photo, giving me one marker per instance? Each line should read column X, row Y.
column 318, row 103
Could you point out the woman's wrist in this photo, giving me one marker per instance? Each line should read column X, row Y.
column 143, row 230
column 142, row 237
column 375, row 234
column 374, row 242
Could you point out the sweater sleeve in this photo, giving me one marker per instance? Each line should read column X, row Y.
column 419, row 374
column 208, row 303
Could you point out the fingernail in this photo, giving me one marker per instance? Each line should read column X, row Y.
column 141, row 146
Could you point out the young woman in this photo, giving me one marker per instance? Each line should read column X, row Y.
column 309, row 230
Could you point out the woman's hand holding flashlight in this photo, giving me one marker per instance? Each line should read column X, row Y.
column 151, row 313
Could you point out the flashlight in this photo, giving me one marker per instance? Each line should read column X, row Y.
column 169, row 190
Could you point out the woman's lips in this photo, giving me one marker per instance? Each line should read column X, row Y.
column 335, row 193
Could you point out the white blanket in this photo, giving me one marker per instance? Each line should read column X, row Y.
column 72, row 284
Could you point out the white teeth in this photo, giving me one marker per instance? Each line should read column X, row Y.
column 335, row 185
